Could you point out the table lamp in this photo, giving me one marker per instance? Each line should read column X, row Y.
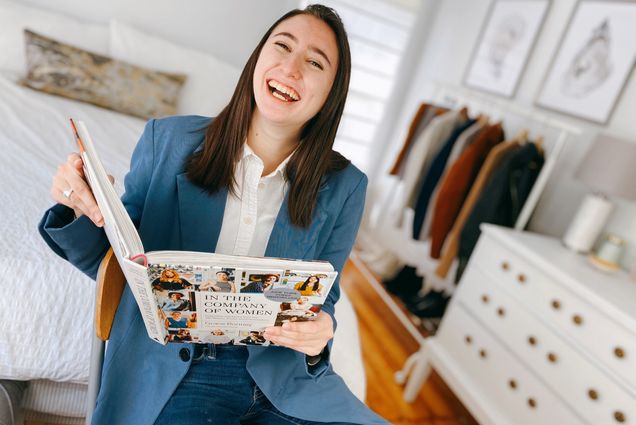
column 609, row 169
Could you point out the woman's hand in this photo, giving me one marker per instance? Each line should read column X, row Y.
column 70, row 179
column 307, row 337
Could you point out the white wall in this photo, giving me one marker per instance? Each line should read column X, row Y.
column 446, row 53
column 227, row 29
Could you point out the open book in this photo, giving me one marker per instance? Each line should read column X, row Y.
column 203, row 297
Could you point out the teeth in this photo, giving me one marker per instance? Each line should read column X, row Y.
column 279, row 96
column 282, row 88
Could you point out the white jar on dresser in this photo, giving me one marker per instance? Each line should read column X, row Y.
column 535, row 335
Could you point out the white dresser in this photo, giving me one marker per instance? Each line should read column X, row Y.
column 535, row 335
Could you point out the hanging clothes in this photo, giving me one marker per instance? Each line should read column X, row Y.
column 424, row 150
column 463, row 141
column 502, row 199
column 433, row 175
column 425, row 113
column 457, row 183
column 451, row 244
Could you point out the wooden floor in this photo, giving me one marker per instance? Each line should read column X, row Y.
column 385, row 347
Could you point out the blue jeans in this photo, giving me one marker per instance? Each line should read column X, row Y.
column 218, row 390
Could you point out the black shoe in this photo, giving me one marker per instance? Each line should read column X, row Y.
column 430, row 306
column 405, row 284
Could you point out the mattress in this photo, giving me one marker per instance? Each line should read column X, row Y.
column 46, row 307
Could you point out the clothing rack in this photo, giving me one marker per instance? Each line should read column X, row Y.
column 386, row 234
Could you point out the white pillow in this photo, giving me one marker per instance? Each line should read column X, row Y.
column 14, row 17
column 210, row 82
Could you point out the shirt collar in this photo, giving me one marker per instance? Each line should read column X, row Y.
column 247, row 151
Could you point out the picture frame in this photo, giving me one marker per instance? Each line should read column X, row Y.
column 593, row 62
column 504, row 45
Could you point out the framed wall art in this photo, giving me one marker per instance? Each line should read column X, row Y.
column 504, row 45
column 593, row 61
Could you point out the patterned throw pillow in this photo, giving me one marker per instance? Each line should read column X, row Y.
column 57, row 68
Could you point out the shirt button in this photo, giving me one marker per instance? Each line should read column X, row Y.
column 247, row 220
column 184, row 353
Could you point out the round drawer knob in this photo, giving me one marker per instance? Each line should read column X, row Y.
column 532, row 340
column 505, row 266
column 592, row 393
column 619, row 416
column 521, row 278
column 512, row 384
column 483, row 354
column 578, row 320
column 532, row 402
column 501, row 311
column 556, row 304
column 619, row 352
column 485, row 299
column 468, row 339
column 552, row 358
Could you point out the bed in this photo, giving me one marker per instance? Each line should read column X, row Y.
column 46, row 312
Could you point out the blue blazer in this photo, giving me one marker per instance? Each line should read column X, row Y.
column 171, row 213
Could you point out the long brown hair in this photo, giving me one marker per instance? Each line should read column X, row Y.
column 212, row 167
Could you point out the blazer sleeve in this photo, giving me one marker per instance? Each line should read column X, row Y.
column 79, row 241
column 336, row 251
column 340, row 241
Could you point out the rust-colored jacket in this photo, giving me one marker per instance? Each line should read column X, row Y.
column 457, row 183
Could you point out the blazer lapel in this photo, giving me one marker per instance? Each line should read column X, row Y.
column 290, row 241
column 200, row 215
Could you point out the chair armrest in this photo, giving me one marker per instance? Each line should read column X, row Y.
column 110, row 286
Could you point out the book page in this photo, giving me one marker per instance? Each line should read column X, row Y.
column 120, row 230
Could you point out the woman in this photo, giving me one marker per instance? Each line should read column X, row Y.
column 260, row 286
column 170, row 280
column 309, row 287
column 222, row 283
column 271, row 146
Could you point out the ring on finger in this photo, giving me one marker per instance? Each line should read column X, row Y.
column 67, row 193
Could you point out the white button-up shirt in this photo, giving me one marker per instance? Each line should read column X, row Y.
column 249, row 217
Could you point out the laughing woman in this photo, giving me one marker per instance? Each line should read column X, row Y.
column 260, row 179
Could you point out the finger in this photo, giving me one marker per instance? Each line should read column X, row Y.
column 75, row 161
column 310, row 327
column 296, row 336
column 82, row 193
column 309, row 349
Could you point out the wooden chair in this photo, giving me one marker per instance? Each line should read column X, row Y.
column 110, row 286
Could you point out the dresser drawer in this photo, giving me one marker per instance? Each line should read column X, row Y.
column 605, row 340
column 500, row 379
column 585, row 388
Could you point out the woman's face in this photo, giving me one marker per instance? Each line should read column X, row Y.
column 295, row 70
column 313, row 279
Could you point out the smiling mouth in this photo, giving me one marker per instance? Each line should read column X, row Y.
column 282, row 92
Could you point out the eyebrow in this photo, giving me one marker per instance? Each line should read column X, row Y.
column 314, row 48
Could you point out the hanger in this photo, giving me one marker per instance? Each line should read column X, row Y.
column 538, row 143
column 483, row 120
column 522, row 137
column 464, row 112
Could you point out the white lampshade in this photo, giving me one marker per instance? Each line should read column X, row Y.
column 608, row 168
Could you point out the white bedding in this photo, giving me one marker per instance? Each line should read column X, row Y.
column 46, row 305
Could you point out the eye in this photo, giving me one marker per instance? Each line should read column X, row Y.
column 283, row 46
column 315, row 64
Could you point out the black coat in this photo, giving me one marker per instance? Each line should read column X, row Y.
column 502, row 198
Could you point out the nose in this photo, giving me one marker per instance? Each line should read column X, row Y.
column 291, row 66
